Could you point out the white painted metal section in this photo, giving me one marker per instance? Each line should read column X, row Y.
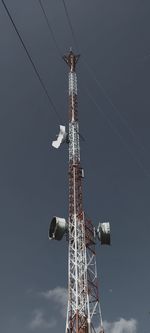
column 72, row 83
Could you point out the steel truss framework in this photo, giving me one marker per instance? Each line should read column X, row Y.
column 83, row 313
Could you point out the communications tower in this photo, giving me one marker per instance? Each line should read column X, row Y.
column 83, row 310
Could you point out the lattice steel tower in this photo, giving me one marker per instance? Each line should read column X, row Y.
column 83, row 311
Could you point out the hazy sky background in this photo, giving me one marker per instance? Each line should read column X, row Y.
column 114, row 38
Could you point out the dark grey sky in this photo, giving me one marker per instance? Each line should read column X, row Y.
column 113, row 36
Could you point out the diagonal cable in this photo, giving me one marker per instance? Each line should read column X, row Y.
column 109, row 100
column 55, row 41
column 99, row 84
column 70, row 25
column 32, row 62
column 50, row 28
column 130, row 151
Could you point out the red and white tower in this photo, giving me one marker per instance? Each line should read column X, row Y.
column 83, row 311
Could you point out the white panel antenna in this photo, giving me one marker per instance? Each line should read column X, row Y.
column 60, row 138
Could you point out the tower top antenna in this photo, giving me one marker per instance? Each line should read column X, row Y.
column 71, row 59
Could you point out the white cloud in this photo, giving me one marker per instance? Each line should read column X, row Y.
column 59, row 296
column 121, row 326
column 39, row 321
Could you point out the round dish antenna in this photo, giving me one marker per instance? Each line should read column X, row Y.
column 57, row 228
column 103, row 233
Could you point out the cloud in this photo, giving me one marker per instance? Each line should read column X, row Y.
column 121, row 326
column 39, row 321
column 59, row 296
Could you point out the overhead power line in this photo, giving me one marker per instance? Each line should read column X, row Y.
column 32, row 62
